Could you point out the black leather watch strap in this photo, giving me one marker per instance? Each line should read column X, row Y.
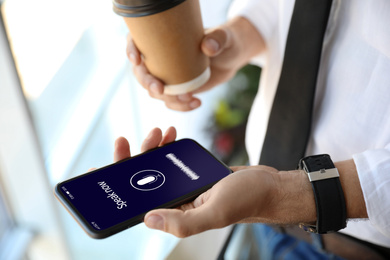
column 328, row 193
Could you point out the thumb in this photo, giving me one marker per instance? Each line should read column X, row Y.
column 216, row 41
column 181, row 223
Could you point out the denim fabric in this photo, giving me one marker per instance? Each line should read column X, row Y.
column 274, row 245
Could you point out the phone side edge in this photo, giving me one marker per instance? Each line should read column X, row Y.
column 206, row 150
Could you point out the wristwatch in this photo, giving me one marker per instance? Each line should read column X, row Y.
column 328, row 193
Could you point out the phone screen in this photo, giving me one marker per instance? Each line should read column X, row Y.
column 117, row 196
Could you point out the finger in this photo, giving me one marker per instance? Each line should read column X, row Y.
column 260, row 167
column 182, row 223
column 187, row 97
column 184, row 102
column 122, row 149
column 152, row 141
column 91, row 169
column 183, row 106
column 148, row 81
column 169, row 136
column 132, row 51
column 155, row 87
column 199, row 201
column 216, row 41
column 238, row 168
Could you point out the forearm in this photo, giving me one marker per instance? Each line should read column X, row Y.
column 295, row 195
column 249, row 40
column 356, row 206
column 256, row 194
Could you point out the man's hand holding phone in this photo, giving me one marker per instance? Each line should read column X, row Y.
column 167, row 174
column 252, row 194
column 240, row 197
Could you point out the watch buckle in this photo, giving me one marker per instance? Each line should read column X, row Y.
column 323, row 174
column 308, row 228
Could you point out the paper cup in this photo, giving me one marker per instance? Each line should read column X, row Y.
column 168, row 35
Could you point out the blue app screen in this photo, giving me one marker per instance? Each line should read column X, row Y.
column 118, row 192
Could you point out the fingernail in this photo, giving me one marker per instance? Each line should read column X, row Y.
column 194, row 104
column 155, row 222
column 212, row 44
column 154, row 88
column 132, row 58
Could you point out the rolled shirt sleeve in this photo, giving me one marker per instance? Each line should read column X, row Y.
column 263, row 14
column 373, row 168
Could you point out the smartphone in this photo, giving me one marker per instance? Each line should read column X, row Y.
column 116, row 197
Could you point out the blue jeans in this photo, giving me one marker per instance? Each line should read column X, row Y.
column 274, row 245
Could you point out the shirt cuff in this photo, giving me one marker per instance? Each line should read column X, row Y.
column 373, row 167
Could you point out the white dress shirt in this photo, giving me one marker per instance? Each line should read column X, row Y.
column 351, row 117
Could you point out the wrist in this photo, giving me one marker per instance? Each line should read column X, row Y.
column 295, row 201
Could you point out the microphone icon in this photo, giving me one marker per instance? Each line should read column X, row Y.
column 147, row 180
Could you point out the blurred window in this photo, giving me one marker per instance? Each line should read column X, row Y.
column 14, row 240
column 5, row 220
column 70, row 57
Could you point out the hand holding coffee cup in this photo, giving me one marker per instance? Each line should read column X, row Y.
column 168, row 34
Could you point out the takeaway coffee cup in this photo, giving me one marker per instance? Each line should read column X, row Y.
column 168, row 34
